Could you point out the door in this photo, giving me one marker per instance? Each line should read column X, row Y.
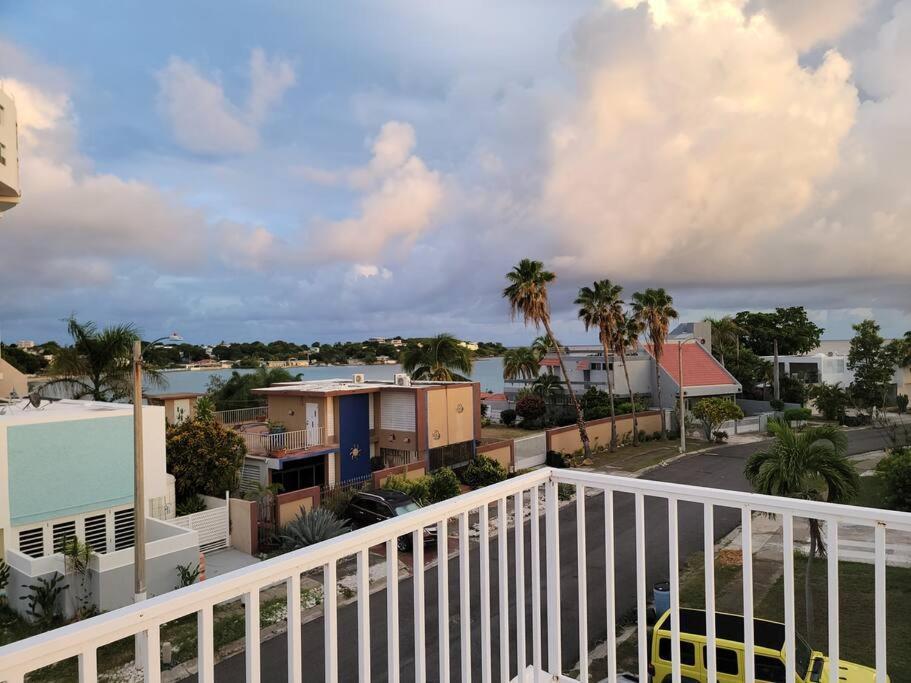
column 312, row 424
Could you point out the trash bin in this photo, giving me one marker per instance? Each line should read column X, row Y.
column 661, row 594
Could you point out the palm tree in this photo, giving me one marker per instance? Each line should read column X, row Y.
column 549, row 388
column 655, row 309
column 809, row 465
column 600, row 306
column 541, row 346
column 521, row 363
column 725, row 334
column 99, row 362
column 527, row 295
column 442, row 358
column 626, row 340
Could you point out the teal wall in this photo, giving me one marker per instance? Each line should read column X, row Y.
column 65, row 468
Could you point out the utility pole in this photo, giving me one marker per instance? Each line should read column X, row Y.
column 777, row 386
column 682, row 399
column 139, row 532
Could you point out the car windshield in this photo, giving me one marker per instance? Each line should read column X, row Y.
column 802, row 655
column 406, row 508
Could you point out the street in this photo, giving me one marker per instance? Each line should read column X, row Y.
column 721, row 467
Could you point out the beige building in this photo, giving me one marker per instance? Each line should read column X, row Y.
column 9, row 154
column 11, row 381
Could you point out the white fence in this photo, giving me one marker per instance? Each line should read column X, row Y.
column 530, row 451
column 241, row 415
column 591, row 545
column 212, row 525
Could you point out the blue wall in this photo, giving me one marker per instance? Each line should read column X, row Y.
column 64, row 468
column 354, row 439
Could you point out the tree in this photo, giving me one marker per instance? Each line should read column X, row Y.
column 626, row 340
column 655, row 309
column 725, row 337
column 808, row 465
column 204, row 457
column 527, row 296
column 531, row 407
column 98, row 365
column 873, row 364
column 795, row 333
column 750, row 370
column 831, row 399
column 550, row 389
column 23, row 361
column 237, row 391
column 901, row 350
column 521, row 363
column 601, row 307
column 713, row 412
column 894, row 471
column 440, row 358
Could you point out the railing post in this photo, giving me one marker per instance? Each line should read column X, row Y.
column 551, row 522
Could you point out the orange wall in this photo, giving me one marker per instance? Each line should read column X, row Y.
column 501, row 452
column 287, row 505
column 443, row 415
column 566, row 439
column 437, row 418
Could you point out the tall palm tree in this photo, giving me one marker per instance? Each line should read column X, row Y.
column 527, row 295
column 655, row 309
column 725, row 335
column 442, row 358
column 626, row 340
column 600, row 306
column 98, row 364
column 521, row 363
column 810, row 465
column 541, row 345
column 549, row 388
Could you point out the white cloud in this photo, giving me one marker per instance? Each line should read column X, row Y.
column 202, row 117
column 809, row 23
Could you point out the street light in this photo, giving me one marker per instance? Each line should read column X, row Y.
column 682, row 417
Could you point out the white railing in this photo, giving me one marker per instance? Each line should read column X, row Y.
column 241, row 415
column 544, row 577
column 262, row 442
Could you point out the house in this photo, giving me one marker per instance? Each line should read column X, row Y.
column 177, row 406
column 10, row 192
column 13, row 383
column 329, row 431
column 67, row 468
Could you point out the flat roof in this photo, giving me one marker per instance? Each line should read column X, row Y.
column 329, row 387
column 23, row 411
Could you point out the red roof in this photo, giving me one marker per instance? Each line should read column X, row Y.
column 699, row 366
column 551, row 362
column 490, row 396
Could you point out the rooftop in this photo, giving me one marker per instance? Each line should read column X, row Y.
column 331, row 387
column 700, row 369
column 23, row 411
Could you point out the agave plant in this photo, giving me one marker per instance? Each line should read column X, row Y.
column 311, row 527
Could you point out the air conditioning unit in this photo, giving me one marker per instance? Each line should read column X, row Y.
column 359, row 378
column 402, row 379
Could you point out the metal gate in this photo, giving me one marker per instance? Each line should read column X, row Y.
column 531, row 451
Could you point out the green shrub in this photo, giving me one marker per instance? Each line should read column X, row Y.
column 418, row 488
column 311, row 527
column 190, row 505
column 483, row 471
column 777, row 405
column 531, row 407
column 797, row 414
column 508, row 417
column 894, row 471
column 656, row 435
column 444, row 484
column 555, row 459
column 901, row 401
column 713, row 412
column 566, row 491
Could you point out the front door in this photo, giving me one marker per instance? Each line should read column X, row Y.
column 312, row 424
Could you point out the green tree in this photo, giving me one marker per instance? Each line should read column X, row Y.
column 98, row 365
column 795, row 333
column 808, row 465
column 541, row 345
column 894, row 471
column 23, row 361
column 521, row 363
column 873, row 363
column 527, row 296
column 442, row 358
column 626, row 340
column 831, row 399
column 713, row 412
column 655, row 309
column 237, row 391
column 601, row 308
column 750, row 370
column 725, row 337
column 901, row 350
column 204, row 457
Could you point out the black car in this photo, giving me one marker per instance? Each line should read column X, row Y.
column 370, row 507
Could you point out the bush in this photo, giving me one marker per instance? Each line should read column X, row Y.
column 311, row 527
column 444, row 484
column 418, row 488
column 720, row 436
column 656, row 435
column 713, row 412
column 555, row 459
column 204, row 457
column 508, row 417
column 894, row 471
column 797, row 415
column 777, row 405
column 483, row 471
column 566, row 491
column 901, row 401
column 830, row 399
column 190, row 505
column 531, row 407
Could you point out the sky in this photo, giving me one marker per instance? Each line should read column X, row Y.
column 334, row 171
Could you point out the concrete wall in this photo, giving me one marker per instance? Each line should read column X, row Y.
column 503, row 452
column 566, row 439
column 244, row 516
column 9, row 172
column 114, row 588
column 11, row 380
column 450, row 415
column 288, row 505
column 413, row 470
column 751, row 407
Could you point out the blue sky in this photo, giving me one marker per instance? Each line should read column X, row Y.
column 288, row 170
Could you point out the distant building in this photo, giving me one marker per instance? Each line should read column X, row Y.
column 10, row 192
column 397, row 342
column 377, row 340
column 471, row 346
column 25, row 344
column 178, row 407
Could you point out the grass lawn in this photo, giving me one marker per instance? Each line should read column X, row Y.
column 635, row 458
column 494, row 433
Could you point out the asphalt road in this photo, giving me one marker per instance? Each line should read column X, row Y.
column 720, row 468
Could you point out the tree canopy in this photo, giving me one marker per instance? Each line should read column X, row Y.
column 204, row 457
column 873, row 363
column 237, row 391
column 795, row 333
column 440, row 358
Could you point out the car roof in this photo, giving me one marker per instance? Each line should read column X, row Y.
column 388, row 495
column 767, row 634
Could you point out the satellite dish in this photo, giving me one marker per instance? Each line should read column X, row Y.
column 34, row 399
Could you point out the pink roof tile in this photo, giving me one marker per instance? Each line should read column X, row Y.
column 699, row 367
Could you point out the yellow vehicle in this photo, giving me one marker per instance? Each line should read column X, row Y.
column 769, row 652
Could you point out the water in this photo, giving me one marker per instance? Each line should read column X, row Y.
column 487, row 371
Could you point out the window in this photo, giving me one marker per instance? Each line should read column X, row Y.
column 123, row 529
column 453, row 455
column 769, row 669
column 96, row 533
column 725, row 659
column 687, row 651
column 62, row 532
column 31, row 542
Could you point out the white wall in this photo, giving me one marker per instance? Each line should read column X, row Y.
column 9, row 172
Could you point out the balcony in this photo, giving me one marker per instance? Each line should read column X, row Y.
column 525, row 599
column 238, row 416
column 260, row 442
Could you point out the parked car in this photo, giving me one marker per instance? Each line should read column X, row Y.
column 370, row 507
column 810, row 666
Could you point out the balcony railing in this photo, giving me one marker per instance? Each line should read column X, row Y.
column 242, row 415
column 563, row 575
column 271, row 444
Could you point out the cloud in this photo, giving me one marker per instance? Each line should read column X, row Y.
column 204, row 120
column 809, row 23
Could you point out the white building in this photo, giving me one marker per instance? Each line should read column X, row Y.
column 9, row 153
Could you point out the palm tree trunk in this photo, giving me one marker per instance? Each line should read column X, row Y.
column 583, row 433
column 632, row 398
column 610, row 392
